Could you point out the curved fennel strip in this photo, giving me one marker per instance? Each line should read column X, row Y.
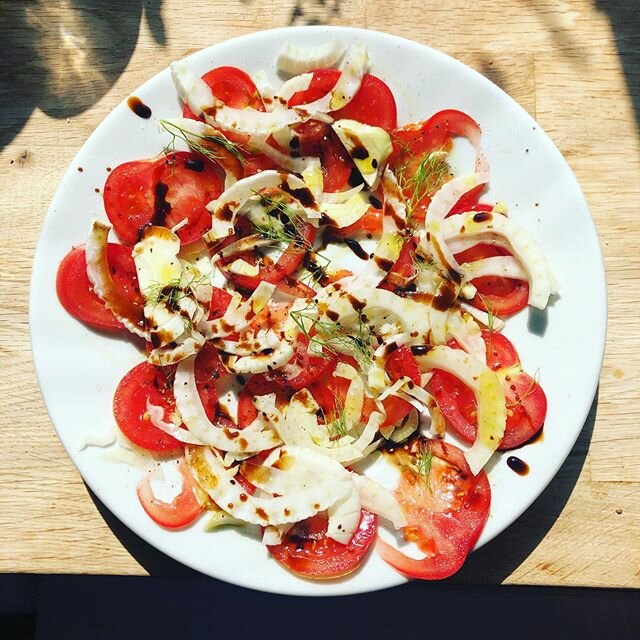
column 354, row 399
column 542, row 282
column 283, row 473
column 394, row 218
column 503, row 266
column 195, row 418
column 225, row 208
column 315, row 493
column 433, row 242
column 295, row 165
column 298, row 425
column 197, row 94
column 99, row 274
column 291, row 87
column 156, row 417
column 375, row 498
column 259, row 361
column 492, row 411
column 296, row 59
column 171, row 307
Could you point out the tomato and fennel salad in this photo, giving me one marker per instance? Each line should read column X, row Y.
column 314, row 288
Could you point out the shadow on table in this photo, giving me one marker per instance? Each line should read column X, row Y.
column 624, row 16
column 489, row 565
column 62, row 56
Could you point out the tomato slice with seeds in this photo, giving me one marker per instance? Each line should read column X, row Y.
column 178, row 513
column 129, row 197
column 401, row 363
column 186, row 184
column 76, row 294
column 307, row 551
column 446, row 507
column 501, row 296
column 163, row 192
column 145, row 382
column 525, row 398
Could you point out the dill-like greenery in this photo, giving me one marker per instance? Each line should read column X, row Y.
column 284, row 225
column 338, row 427
column 284, row 222
column 432, row 172
column 535, row 380
column 423, row 463
column 491, row 319
column 421, row 263
column 192, row 139
column 171, row 293
column 332, row 338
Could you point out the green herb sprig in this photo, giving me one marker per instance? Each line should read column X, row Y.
column 192, row 139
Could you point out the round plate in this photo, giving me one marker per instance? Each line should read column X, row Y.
column 78, row 369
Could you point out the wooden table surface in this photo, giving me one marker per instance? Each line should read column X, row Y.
column 573, row 65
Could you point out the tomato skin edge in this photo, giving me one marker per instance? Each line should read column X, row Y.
column 344, row 560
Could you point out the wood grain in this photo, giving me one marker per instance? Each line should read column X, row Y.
column 574, row 66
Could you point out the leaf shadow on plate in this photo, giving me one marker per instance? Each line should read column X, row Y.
column 489, row 565
column 62, row 56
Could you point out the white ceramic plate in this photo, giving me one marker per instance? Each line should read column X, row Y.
column 78, row 369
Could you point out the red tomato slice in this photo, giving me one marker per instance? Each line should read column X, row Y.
column 403, row 268
column 468, row 201
column 144, row 382
column 130, row 197
column 257, row 385
column 371, row 222
column 330, row 392
column 187, row 183
column 397, row 410
column 402, row 363
column 232, row 86
column 336, row 163
column 413, row 142
column 75, row 291
column 526, row 401
column 308, row 552
column 434, row 133
column 220, row 300
column 445, row 505
column 255, row 163
column 163, row 192
column 501, row 296
column 302, row 370
column 181, row 511
column 374, row 103
column 208, row 369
